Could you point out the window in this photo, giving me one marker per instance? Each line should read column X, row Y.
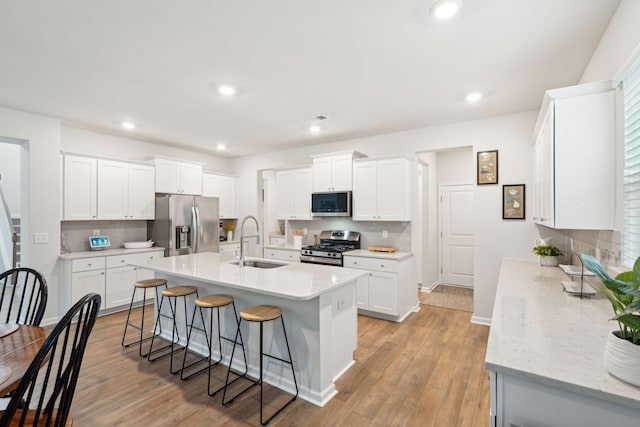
column 631, row 175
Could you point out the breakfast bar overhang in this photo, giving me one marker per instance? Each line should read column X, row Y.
column 319, row 311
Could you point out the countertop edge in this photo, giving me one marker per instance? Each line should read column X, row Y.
column 108, row 252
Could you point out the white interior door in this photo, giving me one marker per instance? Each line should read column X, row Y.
column 456, row 219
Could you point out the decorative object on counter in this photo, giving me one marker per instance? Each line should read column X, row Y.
column 547, row 255
column 64, row 247
column 487, row 167
column 513, row 199
column 138, row 245
column 381, row 248
column 229, row 227
column 622, row 351
column 297, row 238
column 580, row 288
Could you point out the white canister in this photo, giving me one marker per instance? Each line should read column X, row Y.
column 229, row 235
column 297, row 242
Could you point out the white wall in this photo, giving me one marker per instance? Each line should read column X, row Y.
column 10, row 171
column 456, row 167
column 42, row 136
column 495, row 238
column 100, row 144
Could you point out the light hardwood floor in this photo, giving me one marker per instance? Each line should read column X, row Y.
column 426, row 371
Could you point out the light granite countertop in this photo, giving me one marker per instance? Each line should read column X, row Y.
column 286, row 247
column 295, row 281
column 542, row 334
column 108, row 252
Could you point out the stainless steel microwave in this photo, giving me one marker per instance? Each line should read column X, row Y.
column 336, row 203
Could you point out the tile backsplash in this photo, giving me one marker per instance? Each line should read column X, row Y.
column 76, row 233
column 398, row 233
column 603, row 244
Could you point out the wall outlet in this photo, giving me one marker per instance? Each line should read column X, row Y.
column 96, row 232
column 40, row 238
column 340, row 304
column 304, row 231
column 385, row 234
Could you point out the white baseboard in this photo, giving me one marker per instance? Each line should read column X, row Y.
column 481, row 320
column 429, row 288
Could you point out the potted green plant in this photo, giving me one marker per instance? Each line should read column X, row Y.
column 622, row 351
column 547, row 255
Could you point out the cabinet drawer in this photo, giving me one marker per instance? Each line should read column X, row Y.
column 374, row 264
column 283, row 255
column 124, row 260
column 229, row 248
column 87, row 264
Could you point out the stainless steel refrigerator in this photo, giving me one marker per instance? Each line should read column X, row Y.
column 185, row 224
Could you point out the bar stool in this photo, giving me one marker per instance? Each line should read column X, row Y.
column 144, row 285
column 212, row 302
column 172, row 293
column 261, row 314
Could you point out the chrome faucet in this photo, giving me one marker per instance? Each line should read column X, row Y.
column 241, row 260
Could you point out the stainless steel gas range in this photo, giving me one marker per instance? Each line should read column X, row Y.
column 333, row 243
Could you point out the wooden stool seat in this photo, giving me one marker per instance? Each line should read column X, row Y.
column 261, row 313
column 179, row 291
column 150, row 283
column 213, row 301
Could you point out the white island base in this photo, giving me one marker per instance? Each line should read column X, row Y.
column 319, row 310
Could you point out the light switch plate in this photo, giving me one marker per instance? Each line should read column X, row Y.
column 40, row 238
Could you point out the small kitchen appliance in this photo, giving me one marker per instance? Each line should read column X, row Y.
column 333, row 243
column 336, row 203
column 97, row 243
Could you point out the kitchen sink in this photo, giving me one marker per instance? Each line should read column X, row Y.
column 259, row 264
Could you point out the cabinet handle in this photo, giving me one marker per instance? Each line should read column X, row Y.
column 381, row 265
column 89, row 265
column 102, row 273
column 355, row 263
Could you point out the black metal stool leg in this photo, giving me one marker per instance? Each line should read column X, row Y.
column 174, row 333
column 227, row 383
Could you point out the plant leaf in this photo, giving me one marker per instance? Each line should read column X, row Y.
column 630, row 320
column 616, row 286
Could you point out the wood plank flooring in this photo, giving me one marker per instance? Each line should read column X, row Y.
column 426, row 371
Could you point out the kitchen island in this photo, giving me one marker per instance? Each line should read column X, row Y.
column 545, row 354
column 319, row 310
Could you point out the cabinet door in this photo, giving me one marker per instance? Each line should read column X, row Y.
column 141, row 192
column 80, row 188
column 119, row 285
column 302, row 194
column 364, row 191
column 383, row 292
column 543, row 170
column 392, row 190
column 113, row 190
column 285, row 183
column 322, row 174
column 84, row 282
column 362, row 292
column 190, row 179
column 210, row 185
column 342, row 172
column 228, row 197
column 167, row 176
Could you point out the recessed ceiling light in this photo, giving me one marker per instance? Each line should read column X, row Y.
column 227, row 90
column 445, row 9
column 473, row 97
column 314, row 128
column 221, row 147
column 128, row 125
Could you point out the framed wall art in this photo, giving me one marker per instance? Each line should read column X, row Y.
column 487, row 167
column 513, row 201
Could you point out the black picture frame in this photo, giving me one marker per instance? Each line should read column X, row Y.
column 514, row 201
column 487, row 164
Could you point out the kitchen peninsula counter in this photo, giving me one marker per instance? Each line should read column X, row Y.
column 319, row 311
column 545, row 354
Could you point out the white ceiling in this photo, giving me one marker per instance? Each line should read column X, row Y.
column 372, row 66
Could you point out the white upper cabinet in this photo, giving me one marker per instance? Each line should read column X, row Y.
column 225, row 188
column 381, row 189
column 178, row 177
column 125, row 190
column 294, row 193
column 574, row 158
column 334, row 172
column 80, row 188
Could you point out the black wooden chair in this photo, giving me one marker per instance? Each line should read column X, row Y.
column 23, row 296
column 48, row 386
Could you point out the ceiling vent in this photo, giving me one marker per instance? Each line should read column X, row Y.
column 320, row 117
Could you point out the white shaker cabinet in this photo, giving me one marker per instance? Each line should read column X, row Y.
column 382, row 189
column 176, row 177
column 80, row 188
column 294, row 193
column 125, row 190
column 225, row 188
column 282, row 254
column 87, row 275
column 334, row 172
column 574, row 155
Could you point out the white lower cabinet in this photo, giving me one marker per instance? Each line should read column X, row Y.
column 290, row 255
column 109, row 276
column 386, row 291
